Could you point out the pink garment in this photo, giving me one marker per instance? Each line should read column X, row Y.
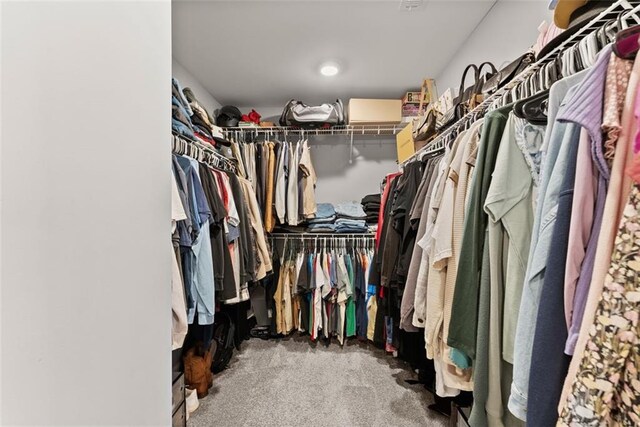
column 634, row 170
column 636, row 145
column 615, row 94
column 383, row 202
column 584, row 197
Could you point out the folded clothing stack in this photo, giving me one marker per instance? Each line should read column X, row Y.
column 351, row 210
column 346, row 217
column 351, row 218
column 324, row 220
column 322, row 227
column 181, row 112
column 347, row 225
column 371, row 206
column 325, row 214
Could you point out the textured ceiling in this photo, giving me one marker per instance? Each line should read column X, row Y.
column 266, row 52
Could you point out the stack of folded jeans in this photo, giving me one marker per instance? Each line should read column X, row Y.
column 326, row 227
column 350, row 218
column 324, row 219
column 371, row 206
column 346, row 225
column 342, row 218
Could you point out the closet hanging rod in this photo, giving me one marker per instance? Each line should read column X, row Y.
column 388, row 129
column 314, row 236
column 604, row 18
column 225, row 162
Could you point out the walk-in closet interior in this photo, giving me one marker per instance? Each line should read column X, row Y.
column 321, row 213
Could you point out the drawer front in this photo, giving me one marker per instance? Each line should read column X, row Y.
column 177, row 393
column 180, row 417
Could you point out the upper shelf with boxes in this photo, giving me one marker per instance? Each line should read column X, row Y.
column 361, row 116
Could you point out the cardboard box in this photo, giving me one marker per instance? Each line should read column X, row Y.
column 374, row 111
column 409, row 119
column 404, row 143
column 413, row 98
column 410, row 110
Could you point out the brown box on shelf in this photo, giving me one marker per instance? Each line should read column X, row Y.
column 409, row 119
column 404, row 143
column 412, row 98
column 374, row 111
column 410, row 110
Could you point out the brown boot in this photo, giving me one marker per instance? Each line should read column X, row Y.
column 195, row 373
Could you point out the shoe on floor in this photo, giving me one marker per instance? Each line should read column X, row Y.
column 192, row 402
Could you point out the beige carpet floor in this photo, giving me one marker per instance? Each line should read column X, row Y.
column 291, row 382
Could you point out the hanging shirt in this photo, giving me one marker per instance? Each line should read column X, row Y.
column 201, row 248
column 605, row 390
column 351, row 304
column 343, row 283
column 282, row 173
column 587, row 111
column 408, row 297
column 263, row 265
column 184, row 227
column 618, row 191
column 292, row 186
column 420, row 300
column 269, row 220
column 179, row 310
column 320, row 283
column 219, row 245
column 509, row 205
column 198, row 277
column 559, row 138
column 309, row 179
column 462, row 328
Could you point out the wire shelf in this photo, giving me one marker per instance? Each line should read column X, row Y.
column 346, row 130
column 314, row 236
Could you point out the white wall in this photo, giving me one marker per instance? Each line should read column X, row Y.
column 339, row 181
column 507, row 31
column 186, row 79
column 84, row 220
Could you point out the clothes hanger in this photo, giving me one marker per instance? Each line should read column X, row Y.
column 578, row 62
column 533, row 109
column 555, row 72
column 625, row 44
column 592, row 45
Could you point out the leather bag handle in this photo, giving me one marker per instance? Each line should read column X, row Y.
column 464, row 77
column 491, row 66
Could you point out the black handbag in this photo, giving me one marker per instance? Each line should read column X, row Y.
column 505, row 75
column 451, row 115
column 468, row 98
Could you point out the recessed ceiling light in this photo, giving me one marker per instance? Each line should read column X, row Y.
column 329, row 69
column 410, row 5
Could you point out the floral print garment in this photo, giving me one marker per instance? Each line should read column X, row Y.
column 615, row 93
column 607, row 388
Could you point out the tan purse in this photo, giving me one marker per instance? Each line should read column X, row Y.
column 424, row 127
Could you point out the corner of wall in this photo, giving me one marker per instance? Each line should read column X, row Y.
column 187, row 79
